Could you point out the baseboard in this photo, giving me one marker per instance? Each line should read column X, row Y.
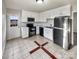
column 13, row 38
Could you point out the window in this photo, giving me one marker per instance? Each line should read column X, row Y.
column 13, row 21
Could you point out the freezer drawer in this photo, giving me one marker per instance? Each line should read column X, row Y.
column 58, row 37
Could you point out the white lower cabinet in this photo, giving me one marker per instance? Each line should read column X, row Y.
column 37, row 29
column 25, row 32
column 48, row 33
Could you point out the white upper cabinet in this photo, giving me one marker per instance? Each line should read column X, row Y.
column 42, row 17
column 26, row 14
column 37, row 18
column 61, row 11
column 64, row 11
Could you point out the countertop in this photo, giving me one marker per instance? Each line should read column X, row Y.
column 51, row 27
column 42, row 26
column 47, row 27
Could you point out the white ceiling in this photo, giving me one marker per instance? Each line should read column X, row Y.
column 31, row 5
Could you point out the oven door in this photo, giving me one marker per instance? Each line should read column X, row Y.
column 32, row 31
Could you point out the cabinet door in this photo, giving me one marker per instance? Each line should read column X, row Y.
column 41, row 18
column 37, row 29
column 46, row 32
column 50, row 34
column 24, row 17
column 64, row 11
column 25, row 32
column 36, row 16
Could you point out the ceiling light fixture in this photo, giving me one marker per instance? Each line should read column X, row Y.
column 39, row 1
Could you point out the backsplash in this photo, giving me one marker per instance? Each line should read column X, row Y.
column 43, row 24
column 48, row 23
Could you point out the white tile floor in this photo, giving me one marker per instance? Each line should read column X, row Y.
column 19, row 49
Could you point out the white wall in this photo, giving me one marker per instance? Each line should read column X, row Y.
column 13, row 32
column 3, row 25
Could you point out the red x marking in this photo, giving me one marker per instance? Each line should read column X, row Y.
column 45, row 50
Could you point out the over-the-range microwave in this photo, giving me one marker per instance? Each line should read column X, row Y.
column 30, row 19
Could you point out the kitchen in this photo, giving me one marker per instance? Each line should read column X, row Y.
column 27, row 24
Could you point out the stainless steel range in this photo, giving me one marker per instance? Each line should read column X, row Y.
column 32, row 29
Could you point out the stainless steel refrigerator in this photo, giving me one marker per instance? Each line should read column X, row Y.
column 62, row 31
